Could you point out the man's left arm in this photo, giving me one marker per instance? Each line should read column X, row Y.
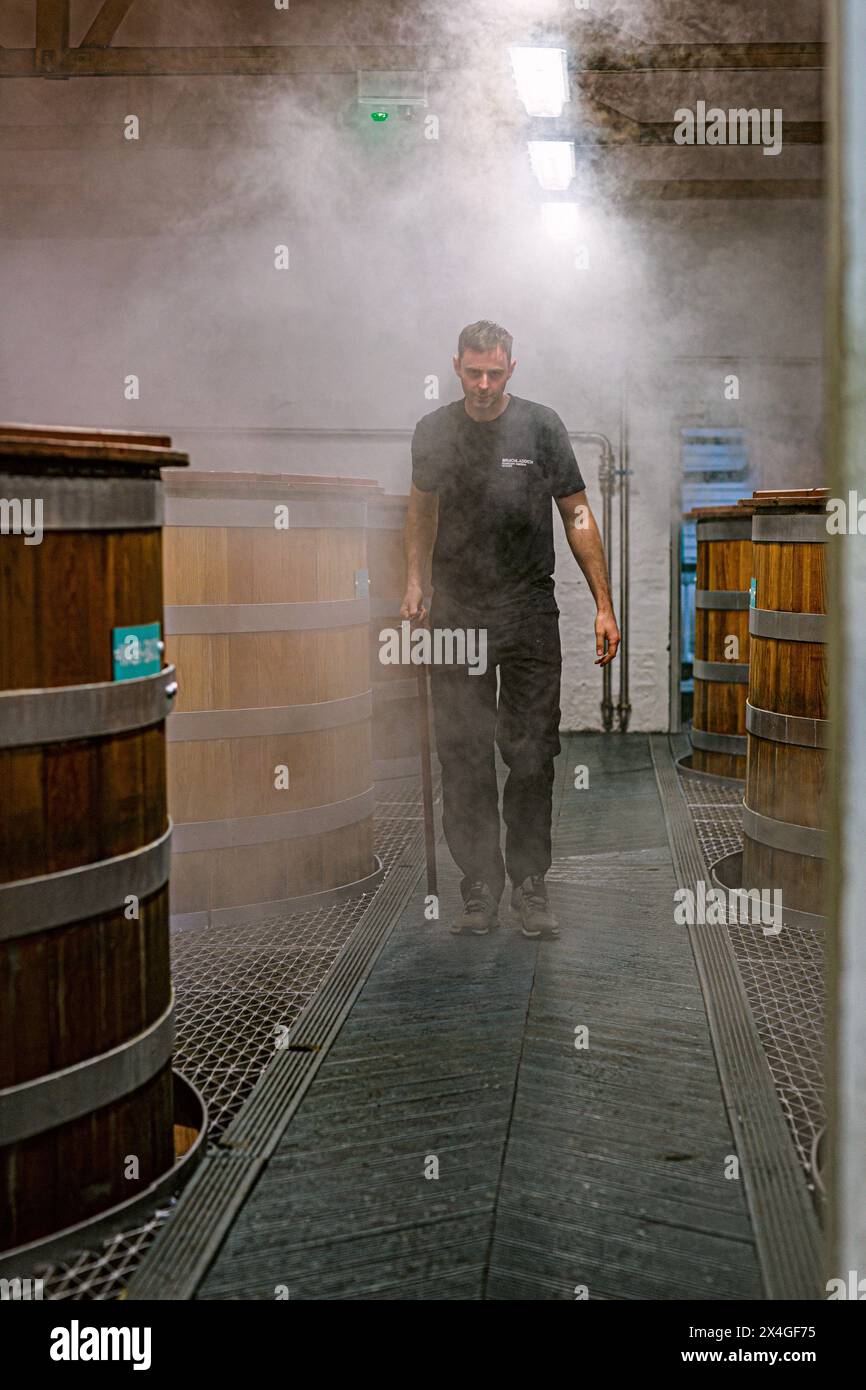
column 585, row 543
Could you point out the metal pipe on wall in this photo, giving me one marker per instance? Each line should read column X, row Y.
column 607, row 483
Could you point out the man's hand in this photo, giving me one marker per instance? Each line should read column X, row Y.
column 413, row 604
column 605, row 627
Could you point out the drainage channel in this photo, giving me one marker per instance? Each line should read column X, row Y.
column 784, row 1220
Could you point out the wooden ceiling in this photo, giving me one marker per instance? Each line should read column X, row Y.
column 631, row 67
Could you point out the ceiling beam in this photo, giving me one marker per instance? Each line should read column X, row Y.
column 591, row 121
column 106, row 23
column 793, row 133
column 699, row 57
column 255, row 61
column 52, row 26
column 288, row 59
column 641, row 190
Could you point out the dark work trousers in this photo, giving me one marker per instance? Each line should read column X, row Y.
column 525, row 726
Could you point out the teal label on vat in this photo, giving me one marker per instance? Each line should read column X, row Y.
column 753, row 590
column 137, row 651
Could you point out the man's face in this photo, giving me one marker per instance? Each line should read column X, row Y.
column 484, row 376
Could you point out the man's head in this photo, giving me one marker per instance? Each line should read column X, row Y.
column 484, row 366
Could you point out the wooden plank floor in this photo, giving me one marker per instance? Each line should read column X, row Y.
column 559, row 1169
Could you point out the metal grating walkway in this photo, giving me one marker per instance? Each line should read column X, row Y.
column 559, row 1168
column 784, row 979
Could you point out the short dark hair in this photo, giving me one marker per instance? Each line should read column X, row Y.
column 482, row 336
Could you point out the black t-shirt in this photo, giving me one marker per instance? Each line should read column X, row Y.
column 495, row 480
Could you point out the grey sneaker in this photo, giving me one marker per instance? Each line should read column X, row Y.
column 529, row 901
column 480, row 912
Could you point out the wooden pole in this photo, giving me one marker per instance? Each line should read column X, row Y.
column 427, row 779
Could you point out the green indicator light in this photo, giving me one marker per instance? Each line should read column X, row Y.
column 378, row 115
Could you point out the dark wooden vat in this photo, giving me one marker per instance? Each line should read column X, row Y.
column 86, row 1011
column 721, row 667
column 785, row 839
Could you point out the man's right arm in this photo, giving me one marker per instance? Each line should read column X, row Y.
column 419, row 534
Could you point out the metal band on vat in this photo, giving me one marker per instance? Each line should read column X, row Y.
column 192, row 725
column 89, row 504
column 788, row 627
column 801, row 528
column 736, row 671
column 60, row 1096
column 722, row 598
column 62, row 713
column 201, row 619
column 785, row 835
column 735, row 529
column 260, row 513
column 262, row 830
column 33, row 905
column 787, row 728
column 718, row 743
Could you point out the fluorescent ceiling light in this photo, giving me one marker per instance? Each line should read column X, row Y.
column 541, row 75
column 560, row 220
column 552, row 163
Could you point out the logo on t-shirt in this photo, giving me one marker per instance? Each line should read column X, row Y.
column 516, row 463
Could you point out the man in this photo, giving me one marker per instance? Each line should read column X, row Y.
column 483, row 472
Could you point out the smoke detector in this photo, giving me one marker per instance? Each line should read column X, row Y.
column 384, row 93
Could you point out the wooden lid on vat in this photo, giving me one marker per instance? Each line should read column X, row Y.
column 716, row 513
column 36, row 447
column 803, row 499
